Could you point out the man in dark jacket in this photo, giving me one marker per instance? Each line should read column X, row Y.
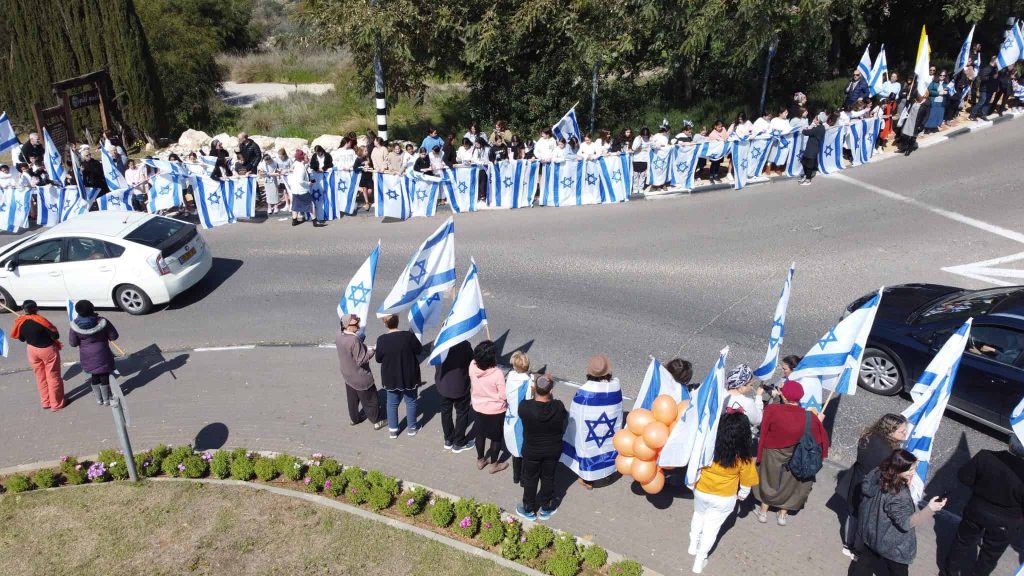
column 250, row 152
column 92, row 170
column 994, row 513
column 988, row 83
column 32, row 148
column 451, row 379
column 856, row 89
column 544, row 421
column 815, row 134
column 354, row 358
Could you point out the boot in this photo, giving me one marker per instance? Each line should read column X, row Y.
column 105, row 393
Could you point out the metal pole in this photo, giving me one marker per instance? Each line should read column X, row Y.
column 767, row 71
column 593, row 102
column 118, row 407
column 378, row 85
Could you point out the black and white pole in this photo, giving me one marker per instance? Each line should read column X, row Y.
column 378, row 84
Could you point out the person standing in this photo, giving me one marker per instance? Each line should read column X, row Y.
column 544, row 422
column 815, row 136
column 250, row 151
column 33, row 148
column 988, row 84
column 856, row 89
column 43, row 348
column 487, row 389
column 299, row 186
column 397, row 352
column 432, row 139
column 354, row 358
column 738, row 384
column 451, row 379
column 517, row 389
column 994, row 513
column 92, row 334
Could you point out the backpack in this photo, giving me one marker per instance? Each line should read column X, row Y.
column 806, row 459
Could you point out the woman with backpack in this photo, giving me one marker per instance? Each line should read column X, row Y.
column 792, row 446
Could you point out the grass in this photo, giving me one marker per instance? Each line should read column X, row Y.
column 288, row 67
column 170, row 528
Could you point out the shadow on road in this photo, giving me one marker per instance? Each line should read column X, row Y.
column 223, row 268
column 211, row 437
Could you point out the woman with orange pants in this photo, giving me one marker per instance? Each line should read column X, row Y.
column 43, row 344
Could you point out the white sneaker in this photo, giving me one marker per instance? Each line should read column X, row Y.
column 699, row 563
column 692, row 550
column 849, row 553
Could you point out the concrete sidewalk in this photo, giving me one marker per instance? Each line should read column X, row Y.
column 291, row 399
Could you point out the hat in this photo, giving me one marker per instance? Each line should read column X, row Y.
column 738, row 377
column 84, row 308
column 300, row 155
column 792, row 390
column 664, row 123
column 598, row 366
column 84, row 149
column 348, row 318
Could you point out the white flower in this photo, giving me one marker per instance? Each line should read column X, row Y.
column 112, row 464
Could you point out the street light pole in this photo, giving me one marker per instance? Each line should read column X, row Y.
column 378, row 84
column 767, row 70
column 121, row 420
column 593, row 101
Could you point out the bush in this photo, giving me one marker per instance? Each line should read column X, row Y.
column 442, row 512
column 73, row 470
column 289, row 466
column 173, row 463
column 158, row 453
column 492, row 532
column 310, row 486
column 383, row 481
column 335, row 486
column 195, row 467
column 357, row 491
column 626, row 568
column 114, row 461
column 68, row 463
column 380, row 498
column 411, row 502
column 220, row 465
column 353, row 473
column 466, row 517
column 489, row 512
column 329, row 465
column 45, row 478
column 562, row 565
column 265, row 469
column 511, row 549
column 146, row 465
column 317, row 475
column 242, row 468
column 18, row 483
column 565, row 544
column 541, row 536
column 528, row 551
column 595, row 556
column 513, row 529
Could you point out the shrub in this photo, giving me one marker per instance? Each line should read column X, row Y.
column 626, row 568
column 146, row 465
column 157, row 455
column 562, row 565
column 18, row 483
column 44, row 478
column 380, row 498
column 265, row 469
column 466, row 517
column 242, row 468
column 411, row 502
column 528, row 550
column 310, row 485
column 442, row 512
column 195, row 467
column 335, row 486
column 68, row 463
column 511, row 549
column 381, row 480
column 240, row 453
column 491, row 532
column 353, row 473
column 114, row 461
column 317, row 475
column 513, row 529
column 289, row 466
column 541, row 536
column 329, row 465
column 595, row 556
column 357, row 491
column 220, row 465
column 566, row 544
column 97, row 472
column 489, row 512
column 73, row 470
column 173, row 462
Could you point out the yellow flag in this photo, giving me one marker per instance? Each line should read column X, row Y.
column 921, row 65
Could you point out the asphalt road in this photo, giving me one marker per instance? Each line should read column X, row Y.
column 682, row 275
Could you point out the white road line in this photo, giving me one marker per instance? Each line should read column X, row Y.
column 223, row 348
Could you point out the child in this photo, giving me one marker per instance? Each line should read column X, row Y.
column 517, row 389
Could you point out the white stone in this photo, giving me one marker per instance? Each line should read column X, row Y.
column 330, row 142
column 193, row 139
column 290, row 144
column 230, row 142
column 264, row 142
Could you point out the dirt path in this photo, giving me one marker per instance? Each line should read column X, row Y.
column 245, row 95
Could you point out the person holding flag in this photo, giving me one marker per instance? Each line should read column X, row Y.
column 451, row 380
column 518, row 386
column 354, row 358
column 43, row 348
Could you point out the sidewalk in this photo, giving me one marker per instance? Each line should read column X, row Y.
column 290, row 399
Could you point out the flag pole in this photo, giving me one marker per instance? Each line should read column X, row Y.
column 827, row 400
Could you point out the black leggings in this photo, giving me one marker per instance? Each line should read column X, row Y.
column 489, row 427
column 97, row 379
column 867, row 560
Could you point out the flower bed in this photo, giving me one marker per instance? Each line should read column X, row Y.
column 482, row 525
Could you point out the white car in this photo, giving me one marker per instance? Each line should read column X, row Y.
column 131, row 260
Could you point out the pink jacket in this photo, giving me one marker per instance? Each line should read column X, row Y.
column 487, row 390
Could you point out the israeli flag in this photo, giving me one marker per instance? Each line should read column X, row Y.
column 392, row 197
column 511, row 184
column 834, row 361
column 684, row 165
column 865, row 64
column 322, row 193
column 658, row 168
column 115, row 179
column 426, row 312
column 76, row 201
column 658, row 381
column 1012, row 47
column 964, row 57
column 14, row 208
column 461, row 185
column 563, row 184
column 740, row 150
column 567, row 127
column 355, row 298
column 208, row 163
column 467, row 317
column 164, row 192
column 830, row 155
column 595, row 415
column 771, row 357
column 590, row 184
column 49, row 201
column 241, row 196
column 116, row 201
column 716, row 150
column 1017, row 420
column 4, row 345
column 430, row 270
column 346, row 185
column 517, row 389
column 72, row 315
column 8, row 140
column 53, row 162
column 879, row 73
column 781, row 148
column 616, row 177
column 85, row 193
column 423, row 191
column 925, row 414
column 758, row 154
column 794, row 166
column 212, row 202
column 167, row 167
column 858, row 141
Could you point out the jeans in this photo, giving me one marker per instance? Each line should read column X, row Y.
column 455, row 432
column 993, row 531
column 980, row 108
column 544, row 470
column 709, row 513
column 394, row 398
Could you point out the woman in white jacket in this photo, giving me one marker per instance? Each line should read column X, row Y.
column 738, row 385
column 299, row 184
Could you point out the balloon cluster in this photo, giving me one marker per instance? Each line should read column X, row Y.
column 641, row 441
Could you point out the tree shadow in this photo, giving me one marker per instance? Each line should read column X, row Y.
column 222, row 269
column 211, row 437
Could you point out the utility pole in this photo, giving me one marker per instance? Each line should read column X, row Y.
column 767, row 70
column 121, row 421
column 593, row 102
column 378, row 84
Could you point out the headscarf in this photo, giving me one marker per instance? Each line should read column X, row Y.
column 738, row 377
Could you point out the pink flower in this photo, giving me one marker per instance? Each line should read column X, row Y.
column 207, row 457
column 63, row 458
column 523, row 539
column 465, row 523
column 355, row 491
column 410, row 501
column 181, row 467
column 487, row 525
column 327, row 485
column 317, row 456
column 307, row 480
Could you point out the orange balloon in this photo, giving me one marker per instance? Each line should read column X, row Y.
column 643, row 471
column 623, row 442
column 665, row 409
column 656, row 434
column 656, row 484
column 638, row 420
column 624, row 464
column 642, row 451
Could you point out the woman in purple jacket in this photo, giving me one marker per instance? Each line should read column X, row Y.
column 91, row 334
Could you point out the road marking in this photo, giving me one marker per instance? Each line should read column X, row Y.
column 223, row 348
column 984, row 272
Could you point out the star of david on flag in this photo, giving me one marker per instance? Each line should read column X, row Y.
column 355, row 298
column 594, row 416
column 437, row 253
column 771, row 358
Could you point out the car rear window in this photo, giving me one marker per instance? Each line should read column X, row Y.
column 156, row 231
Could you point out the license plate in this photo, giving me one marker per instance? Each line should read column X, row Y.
column 187, row 256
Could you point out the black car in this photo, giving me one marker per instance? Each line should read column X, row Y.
column 914, row 321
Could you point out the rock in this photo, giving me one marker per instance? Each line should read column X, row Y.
column 290, row 144
column 150, row 148
column 193, row 139
column 230, row 142
column 362, row 140
column 330, row 142
column 266, row 143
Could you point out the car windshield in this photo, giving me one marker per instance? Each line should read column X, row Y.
column 966, row 304
column 156, row 231
column 7, row 248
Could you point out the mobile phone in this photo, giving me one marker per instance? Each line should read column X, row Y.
column 945, row 496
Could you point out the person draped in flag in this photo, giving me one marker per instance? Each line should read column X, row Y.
column 487, row 389
column 595, row 416
column 682, row 372
column 92, row 335
column 43, row 347
column 517, row 389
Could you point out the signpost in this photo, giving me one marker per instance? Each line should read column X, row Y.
column 122, row 419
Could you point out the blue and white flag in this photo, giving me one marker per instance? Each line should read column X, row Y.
column 461, row 184
column 964, row 57
column 208, row 163
column 782, row 147
column 830, row 155
column 212, row 202
column 511, row 184
column 8, row 140
column 771, row 358
column 1020, row 571
column 392, row 197
column 14, row 208
column 426, row 312
column 241, row 193
column 517, row 389
column 616, row 177
column 713, row 150
column 72, row 315
column 467, row 317
column 865, row 64
column 430, row 270
column 563, row 184
column 423, row 192
column 863, row 136
column 758, row 155
column 567, row 128
column 794, row 166
column 834, row 361
column 116, row 201
column 740, row 151
column 355, row 298
column 925, row 414
column 49, row 201
column 684, row 165
column 590, row 184
column 658, row 167
column 595, row 415
column 658, row 381
column 164, row 192
column 87, row 193
column 1012, row 47
column 53, row 162
column 111, row 173
column 77, row 201
column 5, row 347
column 879, row 73
column 1017, row 420
column 346, row 185
column 321, row 191
column 167, row 167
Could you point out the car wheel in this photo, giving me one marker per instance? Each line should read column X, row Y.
column 132, row 300
column 879, row 373
column 9, row 305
